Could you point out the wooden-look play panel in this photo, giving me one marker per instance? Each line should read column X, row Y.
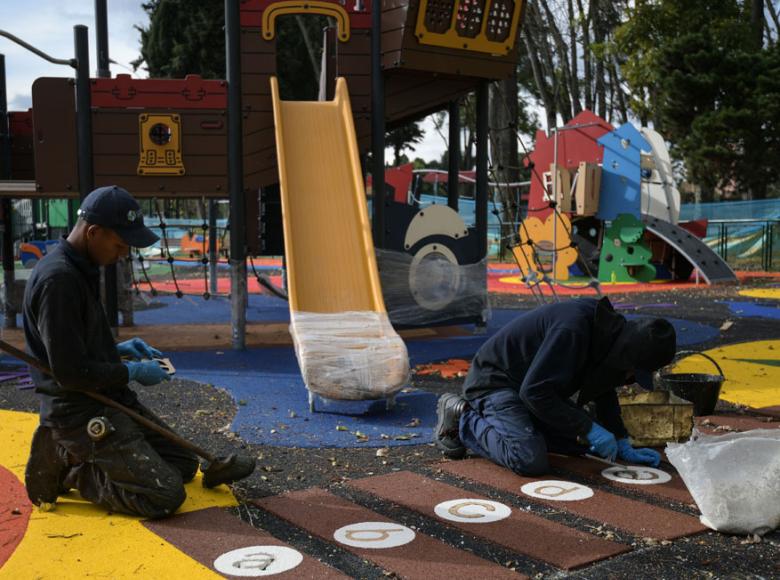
column 521, row 532
column 635, row 517
column 207, row 534
column 321, row 513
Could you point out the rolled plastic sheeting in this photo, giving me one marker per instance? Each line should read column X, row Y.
column 349, row 355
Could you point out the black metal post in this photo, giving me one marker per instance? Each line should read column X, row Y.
column 83, row 111
column 767, row 246
column 111, row 288
column 101, row 37
column 238, row 286
column 453, row 171
column 9, row 313
column 481, row 194
column 377, row 128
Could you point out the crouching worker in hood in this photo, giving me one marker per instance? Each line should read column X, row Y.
column 81, row 443
column 527, row 386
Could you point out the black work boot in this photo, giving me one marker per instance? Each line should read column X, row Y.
column 448, row 411
column 46, row 469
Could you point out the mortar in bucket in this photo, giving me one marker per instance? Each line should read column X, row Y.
column 700, row 389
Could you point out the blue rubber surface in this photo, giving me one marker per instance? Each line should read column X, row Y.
column 271, row 396
column 167, row 309
column 753, row 310
column 273, row 406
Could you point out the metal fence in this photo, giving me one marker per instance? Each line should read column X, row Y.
column 745, row 243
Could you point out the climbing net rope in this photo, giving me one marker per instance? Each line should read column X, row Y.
column 165, row 250
column 532, row 279
column 204, row 254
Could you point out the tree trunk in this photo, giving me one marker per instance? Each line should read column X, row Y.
column 503, row 120
column 574, row 63
column 757, row 22
column 586, row 62
column 541, row 84
column 773, row 14
column 621, row 100
column 600, row 89
column 566, row 100
column 314, row 58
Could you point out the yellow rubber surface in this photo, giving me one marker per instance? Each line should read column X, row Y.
column 331, row 266
column 752, row 371
column 79, row 540
column 771, row 293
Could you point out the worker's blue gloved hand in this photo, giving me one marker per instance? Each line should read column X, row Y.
column 641, row 456
column 602, row 442
column 146, row 372
column 137, row 348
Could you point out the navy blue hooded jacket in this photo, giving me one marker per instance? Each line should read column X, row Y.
column 549, row 354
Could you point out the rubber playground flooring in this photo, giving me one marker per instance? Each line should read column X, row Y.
column 394, row 509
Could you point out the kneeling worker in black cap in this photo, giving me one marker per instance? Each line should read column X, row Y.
column 117, row 463
column 519, row 396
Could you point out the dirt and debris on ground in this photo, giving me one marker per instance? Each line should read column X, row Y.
column 204, row 414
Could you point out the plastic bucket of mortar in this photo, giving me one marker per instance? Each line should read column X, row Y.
column 700, row 389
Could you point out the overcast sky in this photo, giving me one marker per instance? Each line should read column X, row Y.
column 48, row 25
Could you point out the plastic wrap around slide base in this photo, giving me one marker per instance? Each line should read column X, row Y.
column 349, row 355
column 433, row 289
column 734, row 479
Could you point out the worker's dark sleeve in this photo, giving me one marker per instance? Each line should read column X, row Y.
column 608, row 414
column 554, row 370
column 61, row 326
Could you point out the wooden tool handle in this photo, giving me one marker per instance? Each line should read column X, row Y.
column 170, row 435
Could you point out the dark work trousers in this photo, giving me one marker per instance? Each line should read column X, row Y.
column 133, row 470
column 499, row 427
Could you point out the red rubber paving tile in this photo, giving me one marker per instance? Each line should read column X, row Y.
column 15, row 509
column 521, row 532
column 633, row 516
column 206, row 534
column 773, row 411
column 733, row 422
column 321, row 513
column 674, row 490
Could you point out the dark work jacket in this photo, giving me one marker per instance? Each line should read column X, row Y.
column 65, row 327
column 547, row 355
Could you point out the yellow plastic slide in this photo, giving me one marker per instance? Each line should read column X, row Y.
column 345, row 344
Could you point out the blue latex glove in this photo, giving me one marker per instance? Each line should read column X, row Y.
column 146, row 372
column 137, row 348
column 602, row 442
column 642, row 456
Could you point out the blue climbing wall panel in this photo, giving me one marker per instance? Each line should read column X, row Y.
column 620, row 173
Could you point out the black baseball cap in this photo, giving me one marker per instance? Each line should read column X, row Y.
column 113, row 207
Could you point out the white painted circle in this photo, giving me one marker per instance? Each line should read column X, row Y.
column 556, row 490
column 258, row 561
column 636, row 475
column 472, row 511
column 374, row 535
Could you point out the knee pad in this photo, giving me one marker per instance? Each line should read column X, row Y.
column 165, row 505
